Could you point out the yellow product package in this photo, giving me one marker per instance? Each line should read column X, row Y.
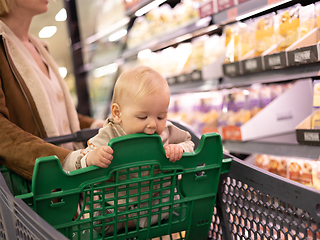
column 264, row 33
column 307, row 19
column 315, row 120
column 287, row 25
column 247, row 39
column 231, row 35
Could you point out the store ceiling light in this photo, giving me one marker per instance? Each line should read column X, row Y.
column 47, row 31
column 61, row 15
column 246, row 15
column 105, row 70
column 148, row 7
column 63, row 72
column 117, row 35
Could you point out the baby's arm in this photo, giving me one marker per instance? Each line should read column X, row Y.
column 100, row 157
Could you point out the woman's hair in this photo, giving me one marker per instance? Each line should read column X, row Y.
column 5, row 7
column 138, row 82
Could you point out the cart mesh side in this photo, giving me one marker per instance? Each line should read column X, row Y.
column 255, row 204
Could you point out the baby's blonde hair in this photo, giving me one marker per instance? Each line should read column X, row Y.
column 138, row 82
column 5, row 7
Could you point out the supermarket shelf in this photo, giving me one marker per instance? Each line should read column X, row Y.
column 168, row 39
column 251, row 7
column 284, row 145
column 137, row 6
column 275, row 75
column 308, row 70
column 179, row 35
column 198, row 86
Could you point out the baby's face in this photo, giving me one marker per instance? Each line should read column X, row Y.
column 148, row 114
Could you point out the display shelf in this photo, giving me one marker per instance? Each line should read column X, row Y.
column 247, row 9
column 198, row 86
column 283, row 145
column 132, row 9
column 275, row 75
column 169, row 39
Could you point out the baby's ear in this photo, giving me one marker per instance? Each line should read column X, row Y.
column 116, row 112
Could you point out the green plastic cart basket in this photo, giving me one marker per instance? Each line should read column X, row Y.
column 140, row 186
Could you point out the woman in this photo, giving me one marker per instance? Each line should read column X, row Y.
column 35, row 102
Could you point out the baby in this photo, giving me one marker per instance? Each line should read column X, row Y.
column 139, row 105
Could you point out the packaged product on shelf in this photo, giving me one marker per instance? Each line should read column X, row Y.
column 197, row 53
column 307, row 19
column 180, row 108
column 262, row 161
column 317, row 13
column 139, row 32
column 315, row 120
column 185, row 12
column 264, row 33
column 231, row 36
column 182, row 55
column 278, row 165
column 211, row 52
column 287, row 25
column 211, row 107
column 301, row 170
column 246, row 39
column 253, row 101
column 264, row 96
column 236, row 112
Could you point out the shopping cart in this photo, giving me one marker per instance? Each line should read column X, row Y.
column 139, row 185
column 250, row 203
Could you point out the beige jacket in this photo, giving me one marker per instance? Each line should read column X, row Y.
column 25, row 115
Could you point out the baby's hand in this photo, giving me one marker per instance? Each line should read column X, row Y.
column 173, row 152
column 100, row 157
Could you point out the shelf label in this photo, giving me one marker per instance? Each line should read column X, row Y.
column 196, row 76
column 274, row 61
column 231, row 69
column 303, row 55
column 311, row 136
column 206, row 10
column 182, row 78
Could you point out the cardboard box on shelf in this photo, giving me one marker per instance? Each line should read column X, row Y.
column 279, row 117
